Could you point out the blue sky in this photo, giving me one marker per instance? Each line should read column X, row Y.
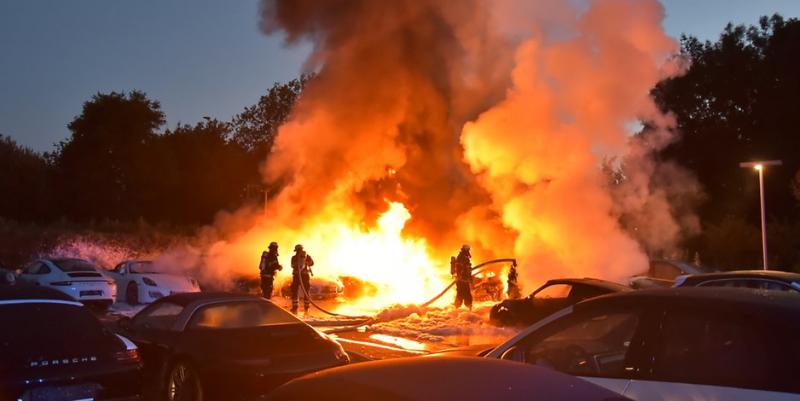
column 197, row 57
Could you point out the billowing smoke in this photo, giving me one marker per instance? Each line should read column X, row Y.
column 430, row 123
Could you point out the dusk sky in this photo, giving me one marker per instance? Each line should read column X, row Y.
column 198, row 58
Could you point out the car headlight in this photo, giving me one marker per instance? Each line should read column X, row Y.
column 149, row 281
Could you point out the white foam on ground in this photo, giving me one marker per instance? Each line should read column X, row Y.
column 441, row 325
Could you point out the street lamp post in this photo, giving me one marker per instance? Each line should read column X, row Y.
column 759, row 166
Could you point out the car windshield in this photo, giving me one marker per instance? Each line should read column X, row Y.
column 143, row 267
column 237, row 315
column 44, row 327
column 74, row 265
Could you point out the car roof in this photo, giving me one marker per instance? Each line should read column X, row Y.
column 594, row 282
column 742, row 300
column 24, row 291
column 187, row 298
column 773, row 274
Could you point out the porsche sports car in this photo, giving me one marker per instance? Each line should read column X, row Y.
column 142, row 282
column 53, row 348
column 212, row 345
column 78, row 278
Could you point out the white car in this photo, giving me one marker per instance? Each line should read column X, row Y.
column 142, row 282
column 700, row 344
column 78, row 278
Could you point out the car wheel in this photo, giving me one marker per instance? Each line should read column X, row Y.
column 183, row 383
column 132, row 294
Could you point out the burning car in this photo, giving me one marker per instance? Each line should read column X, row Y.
column 321, row 288
column 487, row 286
column 143, row 282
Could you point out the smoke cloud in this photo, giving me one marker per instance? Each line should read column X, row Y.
column 487, row 121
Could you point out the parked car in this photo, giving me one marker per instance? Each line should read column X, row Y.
column 78, row 278
column 221, row 345
column 321, row 288
column 442, row 378
column 662, row 273
column 553, row 296
column 141, row 281
column 52, row 348
column 673, row 344
column 763, row 279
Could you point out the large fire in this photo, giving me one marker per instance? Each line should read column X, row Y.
column 433, row 123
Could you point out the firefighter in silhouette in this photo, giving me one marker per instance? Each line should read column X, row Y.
column 461, row 268
column 301, row 274
column 268, row 267
column 513, row 284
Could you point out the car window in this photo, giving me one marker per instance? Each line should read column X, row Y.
column 42, row 328
column 32, row 269
column 142, row 267
column 580, row 291
column 665, row 271
column 160, row 316
column 43, row 269
column 553, row 291
column 594, row 344
column 74, row 265
column 239, row 315
column 725, row 350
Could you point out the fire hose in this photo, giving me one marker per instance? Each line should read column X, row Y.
column 477, row 269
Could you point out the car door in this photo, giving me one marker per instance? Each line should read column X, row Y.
column 601, row 345
column 705, row 354
column 152, row 330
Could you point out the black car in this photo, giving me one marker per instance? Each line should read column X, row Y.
column 53, row 348
column 553, row 296
column 699, row 344
column 199, row 346
column 760, row 279
column 440, row 378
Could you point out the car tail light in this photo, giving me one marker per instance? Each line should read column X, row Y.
column 62, row 283
column 149, row 281
column 129, row 355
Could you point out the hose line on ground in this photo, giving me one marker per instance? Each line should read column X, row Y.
column 367, row 319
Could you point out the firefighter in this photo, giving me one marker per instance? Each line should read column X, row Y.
column 462, row 269
column 268, row 267
column 301, row 270
column 513, row 284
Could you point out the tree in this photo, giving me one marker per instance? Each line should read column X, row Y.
column 97, row 167
column 196, row 172
column 739, row 101
column 23, row 182
column 255, row 128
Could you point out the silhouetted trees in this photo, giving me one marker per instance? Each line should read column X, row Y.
column 117, row 165
column 739, row 101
